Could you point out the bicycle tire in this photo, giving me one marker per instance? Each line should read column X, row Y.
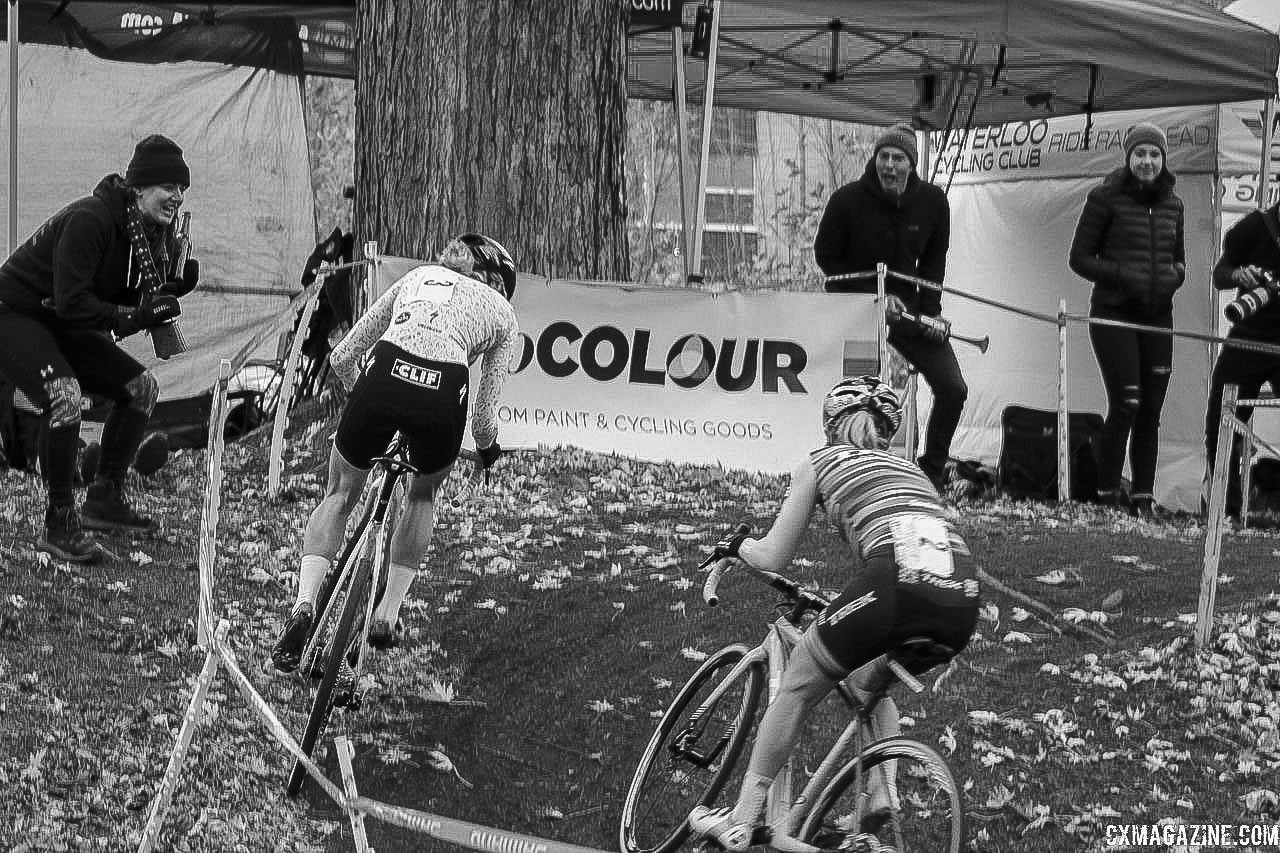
column 322, row 704
column 931, row 817
column 675, row 774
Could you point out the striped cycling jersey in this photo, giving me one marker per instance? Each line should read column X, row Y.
column 441, row 315
column 863, row 491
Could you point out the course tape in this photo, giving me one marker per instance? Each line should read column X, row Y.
column 273, row 724
column 1054, row 319
column 462, row 833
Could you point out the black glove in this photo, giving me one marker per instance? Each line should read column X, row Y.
column 181, row 287
column 489, row 455
column 729, row 545
column 153, row 312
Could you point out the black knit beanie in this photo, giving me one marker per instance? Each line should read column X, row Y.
column 157, row 160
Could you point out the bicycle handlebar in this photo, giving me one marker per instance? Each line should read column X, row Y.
column 795, row 593
column 713, row 580
column 477, row 470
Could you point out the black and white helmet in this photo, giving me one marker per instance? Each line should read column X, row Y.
column 493, row 261
column 861, row 392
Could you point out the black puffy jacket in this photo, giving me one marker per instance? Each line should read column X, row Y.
column 1129, row 243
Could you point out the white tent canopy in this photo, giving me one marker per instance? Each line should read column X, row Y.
column 868, row 61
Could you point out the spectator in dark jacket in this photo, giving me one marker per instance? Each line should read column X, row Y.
column 1250, row 259
column 100, row 266
column 890, row 215
column 1129, row 243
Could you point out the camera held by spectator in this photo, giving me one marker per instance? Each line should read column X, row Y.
column 1262, row 286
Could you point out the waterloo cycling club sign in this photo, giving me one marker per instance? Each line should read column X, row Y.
column 678, row 375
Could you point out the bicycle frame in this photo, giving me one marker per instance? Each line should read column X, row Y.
column 782, row 813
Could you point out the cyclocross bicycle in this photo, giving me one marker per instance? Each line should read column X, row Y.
column 335, row 650
column 692, row 756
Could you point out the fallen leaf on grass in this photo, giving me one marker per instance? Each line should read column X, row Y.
column 1060, row 577
column 437, row 760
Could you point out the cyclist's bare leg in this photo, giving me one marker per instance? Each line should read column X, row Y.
column 884, row 723
column 328, row 520
column 410, row 541
column 804, row 684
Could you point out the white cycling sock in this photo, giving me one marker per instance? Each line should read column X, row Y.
column 399, row 579
column 752, row 800
column 310, row 577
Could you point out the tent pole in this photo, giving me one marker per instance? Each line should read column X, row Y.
column 704, row 153
column 1264, row 165
column 682, row 144
column 12, row 42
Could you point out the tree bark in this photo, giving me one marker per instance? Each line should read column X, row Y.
column 506, row 117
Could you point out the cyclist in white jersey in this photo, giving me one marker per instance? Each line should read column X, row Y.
column 405, row 364
column 915, row 579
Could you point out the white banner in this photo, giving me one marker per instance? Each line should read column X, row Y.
column 1056, row 147
column 681, row 375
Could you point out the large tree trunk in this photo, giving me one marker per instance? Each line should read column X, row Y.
column 506, row 117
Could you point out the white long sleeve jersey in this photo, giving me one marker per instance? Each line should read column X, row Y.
column 441, row 315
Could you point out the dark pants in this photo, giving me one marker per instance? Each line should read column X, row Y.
column 33, row 354
column 1249, row 370
column 936, row 362
column 1136, row 368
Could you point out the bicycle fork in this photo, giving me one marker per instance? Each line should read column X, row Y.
column 685, row 744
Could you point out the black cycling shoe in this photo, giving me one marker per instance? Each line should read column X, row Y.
column 288, row 649
column 382, row 636
column 345, row 694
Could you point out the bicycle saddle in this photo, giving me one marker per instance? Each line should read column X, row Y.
column 920, row 654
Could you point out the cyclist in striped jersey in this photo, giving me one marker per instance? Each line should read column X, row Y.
column 916, row 579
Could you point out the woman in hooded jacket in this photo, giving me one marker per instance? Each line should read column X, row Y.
column 1129, row 243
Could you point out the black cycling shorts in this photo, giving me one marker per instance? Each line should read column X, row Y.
column 426, row 400
column 876, row 612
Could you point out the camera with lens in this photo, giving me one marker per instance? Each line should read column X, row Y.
column 1252, row 301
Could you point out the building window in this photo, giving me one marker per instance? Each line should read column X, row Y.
column 733, row 132
column 731, row 206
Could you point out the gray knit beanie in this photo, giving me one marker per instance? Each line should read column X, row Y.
column 1145, row 132
column 899, row 136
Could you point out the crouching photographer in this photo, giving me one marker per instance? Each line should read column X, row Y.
column 1250, row 264
column 99, row 269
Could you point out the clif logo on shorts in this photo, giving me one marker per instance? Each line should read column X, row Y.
column 415, row 374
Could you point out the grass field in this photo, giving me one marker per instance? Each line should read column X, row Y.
column 559, row 616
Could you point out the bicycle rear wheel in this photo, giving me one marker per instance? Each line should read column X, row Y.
column 339, row 641
column 929, row 817
column 691, row 755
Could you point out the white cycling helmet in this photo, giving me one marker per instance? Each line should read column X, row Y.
column 861, row 392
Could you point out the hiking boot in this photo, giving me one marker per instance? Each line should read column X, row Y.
column 382, row 636
column 106, row 508
column 1145, row 507
column 65, row 539
column 718, row 825
column 288, row 649
column 937, row 477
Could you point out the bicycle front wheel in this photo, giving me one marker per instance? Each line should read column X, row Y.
column 927, row 816
column 692, row 754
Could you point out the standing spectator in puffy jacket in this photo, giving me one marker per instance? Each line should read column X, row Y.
column 890, row 215
column 1129, row 243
